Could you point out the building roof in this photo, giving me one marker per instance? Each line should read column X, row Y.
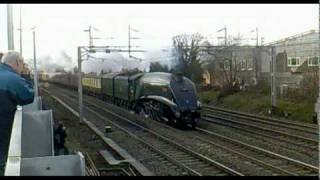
column 303, row 34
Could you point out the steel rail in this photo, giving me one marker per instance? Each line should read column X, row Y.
column 205, row 159
column 255, row 148
column 308, row 140
column 262, row 134
column 263, row 118
column 260, row 162
column 257, row 120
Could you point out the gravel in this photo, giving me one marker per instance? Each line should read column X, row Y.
column 134, row 148
column 282, row 148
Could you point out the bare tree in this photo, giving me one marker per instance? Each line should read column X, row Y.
column 224, row 66
column 188, row 50
column 310, row 82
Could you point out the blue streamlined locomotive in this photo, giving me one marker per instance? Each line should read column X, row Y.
column 166, row 97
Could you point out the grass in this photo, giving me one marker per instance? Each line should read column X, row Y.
column 255, row 102
column 247, row 102
column 302, row 111
column 208, row 96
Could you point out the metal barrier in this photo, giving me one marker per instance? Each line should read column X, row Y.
column 31, row 150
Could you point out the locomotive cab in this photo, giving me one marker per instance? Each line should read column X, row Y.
column 186, row 99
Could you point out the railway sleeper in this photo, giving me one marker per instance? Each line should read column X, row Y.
column 213, row 172
column 163, row 146
column 189, row 160
column 250, row 119
column 210, row 168
column 261, row 157
column 179, row 156
column 273, row 123
column 303, row 172
column 315, row 174
column 300, row 169
column 274, row 162
column 184, row 158
column 174, row 152
column 198, row 164
column 221, row 174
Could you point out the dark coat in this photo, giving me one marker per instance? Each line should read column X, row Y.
column 59, row 137
column 14, row 90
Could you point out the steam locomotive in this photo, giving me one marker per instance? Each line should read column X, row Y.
column 165, row 97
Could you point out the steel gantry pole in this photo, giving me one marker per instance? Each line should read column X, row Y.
column 273, row 78
column 35, row 78
column 10, row 27
column 129, row 46
column 90, row 36
column 225, row 36
column 80, row 85
column 20, row 29
column 317, row 106
column 257, row 36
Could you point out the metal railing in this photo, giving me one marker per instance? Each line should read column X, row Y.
column 31, row 150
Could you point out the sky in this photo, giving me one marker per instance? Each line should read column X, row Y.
column 60, row 27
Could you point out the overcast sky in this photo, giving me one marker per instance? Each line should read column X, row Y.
column 60, row 27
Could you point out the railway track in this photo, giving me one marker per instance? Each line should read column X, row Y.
column 262, row 160
column 295, row 127
column 182, row 158
column 116, row 155
column 259, row 127
column 267, row 158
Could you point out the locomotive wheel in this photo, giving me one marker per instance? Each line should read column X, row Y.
column 193, row 124
column 154, row 115
column 175, row 123
column 141, row 111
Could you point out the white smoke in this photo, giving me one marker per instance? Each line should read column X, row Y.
column 164, row 56
column 114, row 62
column 49, row 64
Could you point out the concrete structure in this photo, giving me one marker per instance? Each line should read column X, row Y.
column 31, row 150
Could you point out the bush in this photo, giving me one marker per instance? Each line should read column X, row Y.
column 208, row 96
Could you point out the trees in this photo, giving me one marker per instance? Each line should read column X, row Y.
column 187, row 48
column 223, row 64
column 309, row 84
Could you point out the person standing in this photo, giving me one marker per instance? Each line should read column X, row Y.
column 59, row 139
column 14, row 90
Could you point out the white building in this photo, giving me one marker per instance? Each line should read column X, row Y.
column 300, row 48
